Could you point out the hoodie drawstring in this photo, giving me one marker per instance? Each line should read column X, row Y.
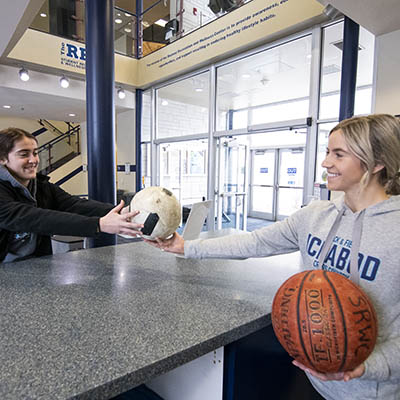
column 355, row 245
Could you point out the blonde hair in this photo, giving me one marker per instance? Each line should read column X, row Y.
column 375, row 140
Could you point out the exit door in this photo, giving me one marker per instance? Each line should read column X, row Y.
column 276, row 182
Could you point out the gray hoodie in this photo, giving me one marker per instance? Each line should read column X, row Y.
column 379, row 270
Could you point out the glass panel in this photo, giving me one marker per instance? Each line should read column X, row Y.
column 323, row 135
column 183, row 168
column 332, row 68
column 183, row 107
column 146, row 163
column 146, row 117
column 274, row 85
column 291, row 171
column 287, row 138
column 263, row 167
column 262, row 199
column 289, row 201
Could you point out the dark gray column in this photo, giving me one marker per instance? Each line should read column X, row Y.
column 349, row 68
column 100, row 105
column 138, row 133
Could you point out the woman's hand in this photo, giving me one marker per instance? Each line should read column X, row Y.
column 334, row 376
column 116, row 222
column 175, row 244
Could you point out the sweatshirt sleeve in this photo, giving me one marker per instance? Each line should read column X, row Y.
column 22, row 217
column 384, row 362
column 278, row 238
column 74, row 204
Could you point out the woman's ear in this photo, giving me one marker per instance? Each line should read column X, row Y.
column 3, row 161
column 377, row 168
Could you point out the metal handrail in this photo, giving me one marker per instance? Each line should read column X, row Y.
column 65, row 135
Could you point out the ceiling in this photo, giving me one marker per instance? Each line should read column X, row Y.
column 16, row 16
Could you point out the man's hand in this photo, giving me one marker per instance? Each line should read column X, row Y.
column 114, row 222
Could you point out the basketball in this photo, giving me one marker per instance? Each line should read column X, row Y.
column 324, row 321
column 160, row 212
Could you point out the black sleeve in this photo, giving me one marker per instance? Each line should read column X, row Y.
column 73, row 204
column 23, row 216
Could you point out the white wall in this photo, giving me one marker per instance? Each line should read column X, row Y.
column 126, row 149
column 387, row 75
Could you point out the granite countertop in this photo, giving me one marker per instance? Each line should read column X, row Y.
column 95, row 323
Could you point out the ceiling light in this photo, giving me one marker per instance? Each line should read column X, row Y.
column 5, row 106
column 145, row 24
column 64, row 82
column 198, row 89
column 23, row 74
column 164, row 102
column 71, row 115
column 127, row 15
column 118, row 21
column 121, row 93
column 246, row 76
column 43, row 15
column 128, row 30
column 161, row 22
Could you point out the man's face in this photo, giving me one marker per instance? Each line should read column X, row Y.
column 23, row 160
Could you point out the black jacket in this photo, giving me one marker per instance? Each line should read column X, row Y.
column 55, row 212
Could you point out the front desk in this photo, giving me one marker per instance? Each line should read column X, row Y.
column 94, row 323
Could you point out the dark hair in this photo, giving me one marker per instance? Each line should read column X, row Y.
column 8, row 138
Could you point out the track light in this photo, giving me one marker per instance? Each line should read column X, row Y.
column 64, row 82
column 121, row 93
column 23, row 74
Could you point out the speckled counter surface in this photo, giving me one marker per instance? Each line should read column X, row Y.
column 94, row 323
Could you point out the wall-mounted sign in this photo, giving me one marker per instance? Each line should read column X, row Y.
column 264, row 170
column 72, row 55
column 292, row 171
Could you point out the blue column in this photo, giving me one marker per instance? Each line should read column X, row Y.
column 349, row 68
column 138, row 149
column 100, row 105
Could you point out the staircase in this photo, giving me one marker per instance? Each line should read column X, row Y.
column 59, row 150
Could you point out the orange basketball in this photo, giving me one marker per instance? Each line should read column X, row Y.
column 324, row 321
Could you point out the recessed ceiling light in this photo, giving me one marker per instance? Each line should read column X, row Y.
column 128, row 30
column 164, row 103
column 43, row 15
column 118, row 21
column 246, row 76
column 198, row 89
column 145, row 24
column 71, row 115
column 127, row 15
column 5, row 106
column 118, row 14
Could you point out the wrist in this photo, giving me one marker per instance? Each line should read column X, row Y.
column 98, row 230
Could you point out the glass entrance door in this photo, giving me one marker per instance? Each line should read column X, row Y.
column 262, row 184
column 232, row 184
column 290, row 183
column 276, row 182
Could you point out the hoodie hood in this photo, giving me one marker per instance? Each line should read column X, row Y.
column 29, row 192
column 383, row 207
